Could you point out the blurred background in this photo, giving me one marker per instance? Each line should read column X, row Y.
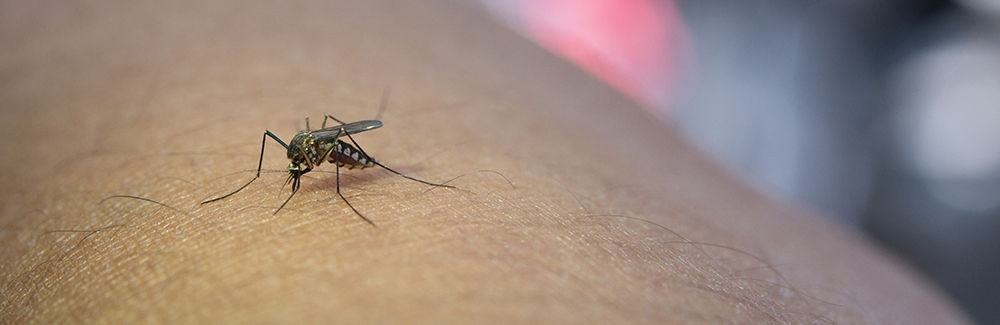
column 883, row 114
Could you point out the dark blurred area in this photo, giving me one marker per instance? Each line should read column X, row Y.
column 884, row 114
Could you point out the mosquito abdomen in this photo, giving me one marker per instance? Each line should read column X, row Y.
column 345, row 155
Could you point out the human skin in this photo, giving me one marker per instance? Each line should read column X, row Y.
column 574, row 205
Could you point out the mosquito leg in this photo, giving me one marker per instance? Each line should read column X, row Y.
column 260, row 162
column 326, row 155
column 328, row 117
column 356, row 145
column 345, row 199
column 356, row 210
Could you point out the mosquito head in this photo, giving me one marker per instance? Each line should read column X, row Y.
column 295, row 169
column 295, row 172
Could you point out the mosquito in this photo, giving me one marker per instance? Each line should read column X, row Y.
column 310, row 148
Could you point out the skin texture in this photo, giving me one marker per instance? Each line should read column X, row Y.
column 577, row 206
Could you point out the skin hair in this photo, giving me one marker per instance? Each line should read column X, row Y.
column 575, row 206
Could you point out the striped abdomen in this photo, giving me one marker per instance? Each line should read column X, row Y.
column 345, row 155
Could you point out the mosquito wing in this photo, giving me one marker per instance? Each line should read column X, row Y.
column 331, row 133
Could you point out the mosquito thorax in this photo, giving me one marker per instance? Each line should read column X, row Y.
column 301, row 140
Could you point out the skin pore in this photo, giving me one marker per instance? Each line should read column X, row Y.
column 575, row 206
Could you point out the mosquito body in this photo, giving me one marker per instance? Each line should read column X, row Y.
column 310, row 148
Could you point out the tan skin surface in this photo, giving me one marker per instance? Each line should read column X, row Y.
column 578, row 207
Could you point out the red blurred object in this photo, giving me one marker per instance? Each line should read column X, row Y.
column 630, row 44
